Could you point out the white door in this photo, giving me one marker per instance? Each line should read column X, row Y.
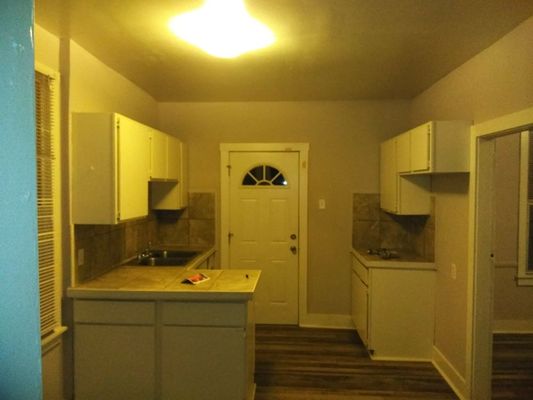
column 264, row 229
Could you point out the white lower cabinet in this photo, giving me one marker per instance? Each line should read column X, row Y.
column 166, row 350
column 114, row 348
column 129, row 373
column 217, row 353
column 360, row 307
column 393, row 310
column 212, row 345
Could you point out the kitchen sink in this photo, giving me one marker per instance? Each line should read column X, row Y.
column 172, row 253
column 166, row 257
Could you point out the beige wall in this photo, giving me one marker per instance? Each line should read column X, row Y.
column 94, row 87
column 495, row 82
column 451, row 247
column 46, row 48
column 343, row 159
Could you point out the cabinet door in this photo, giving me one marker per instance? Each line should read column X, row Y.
column 133, row 169
column 388, row 176
column 420, row 148
column 402, row 313
column 173, row 157
column 172, row 195
column 114, row 362
column 360, row 307
column 199, row 363
column 413, row 195
column 158, row 155
column 403, row 152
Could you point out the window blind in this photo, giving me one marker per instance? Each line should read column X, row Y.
column 47, row 234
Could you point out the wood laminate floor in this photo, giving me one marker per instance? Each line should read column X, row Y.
column 512, row 367
column 295, row 363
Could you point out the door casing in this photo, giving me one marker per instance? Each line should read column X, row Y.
column 477, row 383
column 303, row 150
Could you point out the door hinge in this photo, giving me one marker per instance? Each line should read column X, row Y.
column 229, row 169
column 230, row 235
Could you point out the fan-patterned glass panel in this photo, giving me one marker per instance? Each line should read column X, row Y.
column 264, row 175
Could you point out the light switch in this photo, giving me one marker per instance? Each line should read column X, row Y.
column 453, row 271
column 321, row 204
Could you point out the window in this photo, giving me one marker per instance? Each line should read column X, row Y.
column 48, row 201
column 264, row 175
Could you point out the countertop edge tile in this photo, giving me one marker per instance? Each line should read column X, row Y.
column 224, row 285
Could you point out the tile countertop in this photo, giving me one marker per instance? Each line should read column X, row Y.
column 404, row 261
column 165, row 283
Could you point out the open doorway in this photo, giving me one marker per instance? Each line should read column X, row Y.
column 482, row 258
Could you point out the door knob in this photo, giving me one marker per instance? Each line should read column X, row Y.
column 293, row 249
column 293, row 236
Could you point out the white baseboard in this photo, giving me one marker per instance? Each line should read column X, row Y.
column 512, row 326
column 332, row 321
column 456, row 381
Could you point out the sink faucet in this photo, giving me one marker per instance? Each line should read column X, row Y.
column 141, row 255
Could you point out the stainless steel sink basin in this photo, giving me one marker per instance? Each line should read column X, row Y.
column 166, row 257
column 167, row 261
column 172, row 253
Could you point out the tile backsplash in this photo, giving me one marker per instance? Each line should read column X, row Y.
column 374, row 228
column 194, row 226
column 107, row 246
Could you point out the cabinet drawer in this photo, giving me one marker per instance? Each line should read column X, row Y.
column 204, row 314
column 114, row 312
column 360, row 270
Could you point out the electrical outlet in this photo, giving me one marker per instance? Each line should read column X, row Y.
column 453, row 271
column 81, row 257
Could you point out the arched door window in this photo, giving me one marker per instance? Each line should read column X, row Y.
column 264, row 175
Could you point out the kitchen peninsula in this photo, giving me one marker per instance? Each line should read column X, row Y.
column 140, row 332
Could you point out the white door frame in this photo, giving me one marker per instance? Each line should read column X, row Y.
column 480, row 262
column 303, row 150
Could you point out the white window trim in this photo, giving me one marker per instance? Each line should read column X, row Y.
column 477, row 383
column 524, row 276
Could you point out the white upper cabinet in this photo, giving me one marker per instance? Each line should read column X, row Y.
column 172, row 193
column 388, row 176
column 110, row 168
column 166, row 157
column 439, row 147
column 158, row 155
column 403, row 156
column 402, row 195
column 174, row 158
column 409, row 159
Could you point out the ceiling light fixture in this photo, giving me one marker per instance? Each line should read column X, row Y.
column 222, row 28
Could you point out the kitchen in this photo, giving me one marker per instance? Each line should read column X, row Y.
column 473, row 92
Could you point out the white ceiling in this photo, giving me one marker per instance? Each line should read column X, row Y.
column 326, row 49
